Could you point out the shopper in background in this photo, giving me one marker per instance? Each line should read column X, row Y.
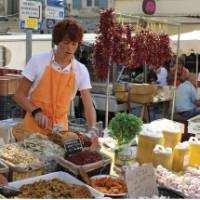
column 50, row 81
column 182, row 73
column 162, row 75
column 187, row 104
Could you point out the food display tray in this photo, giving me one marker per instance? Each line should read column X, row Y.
column 59, row 175
column 99, row 167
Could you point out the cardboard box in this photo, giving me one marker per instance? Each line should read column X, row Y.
column 9, row 84
column 141, row 98
column 121, row 96
column 143, row 89
column 120, row 87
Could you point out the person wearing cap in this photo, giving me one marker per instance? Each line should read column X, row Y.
column 182, row 73
column 51, row 80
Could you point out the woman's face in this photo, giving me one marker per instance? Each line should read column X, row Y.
column 67, row 48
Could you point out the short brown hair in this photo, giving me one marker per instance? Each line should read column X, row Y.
column 69, row 27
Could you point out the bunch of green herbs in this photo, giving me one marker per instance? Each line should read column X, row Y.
column 124, row 127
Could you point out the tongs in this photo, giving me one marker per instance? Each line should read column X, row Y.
column 9, row 191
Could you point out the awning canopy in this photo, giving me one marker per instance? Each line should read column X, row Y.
column 189, row 42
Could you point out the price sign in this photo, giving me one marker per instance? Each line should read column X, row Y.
column 31, row 23
column 30, row 15
column 141, row 181
column 73, row 146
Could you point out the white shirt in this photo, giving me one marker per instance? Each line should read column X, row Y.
column 162, row 74
column 36, row 66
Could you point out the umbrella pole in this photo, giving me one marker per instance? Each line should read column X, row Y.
column 107, row 99
column 175, row 78
column 197, row 67
column 107, row 95
column 145, row 73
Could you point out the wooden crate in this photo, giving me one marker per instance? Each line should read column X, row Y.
column 141, row 98
column 143, row 89
column 9, row 84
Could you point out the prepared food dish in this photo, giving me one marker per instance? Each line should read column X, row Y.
column 61, row 137
column 17, row 155
column 109, row 185
column 54, row 189
column 44, row 149
column 84, row 157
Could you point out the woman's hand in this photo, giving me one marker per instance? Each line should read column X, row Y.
column 42, row 120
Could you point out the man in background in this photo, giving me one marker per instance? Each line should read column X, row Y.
column 182, row 73
column 187, row 104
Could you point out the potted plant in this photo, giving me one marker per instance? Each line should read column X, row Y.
column 123, row 128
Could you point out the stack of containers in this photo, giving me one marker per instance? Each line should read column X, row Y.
column 147, row 140
column 9, row 81
column 180, row 157
column 161, row 132
column 121, row 91
column 194, row 151
column 162, row 156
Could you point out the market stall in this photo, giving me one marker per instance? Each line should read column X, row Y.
column 136, row 160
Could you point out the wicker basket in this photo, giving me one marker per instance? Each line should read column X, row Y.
column 14, row 175
column 98, row 167
column 18, row 173
column 4, row 170
column 19, row 132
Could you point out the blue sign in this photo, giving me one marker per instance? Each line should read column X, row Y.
column 50, row 23
column 55, row 3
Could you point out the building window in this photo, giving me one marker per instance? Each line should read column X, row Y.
column 103, row 4
column 96, row 3
column 76, row 4
column 89, row 3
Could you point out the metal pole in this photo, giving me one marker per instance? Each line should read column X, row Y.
column 175, row 78
column 197, row 66
column 28, row 45
column 107, row 98
column 145, row 73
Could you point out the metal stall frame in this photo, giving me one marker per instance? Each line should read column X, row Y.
column 178, row 25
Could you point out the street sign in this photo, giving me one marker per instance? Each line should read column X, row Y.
column 54, row 11
column 30, row 15
column 55, row 3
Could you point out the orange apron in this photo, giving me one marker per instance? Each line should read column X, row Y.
column 53, row 95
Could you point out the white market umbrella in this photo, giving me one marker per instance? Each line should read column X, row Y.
column 189, row 42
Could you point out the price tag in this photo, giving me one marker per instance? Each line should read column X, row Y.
column 73, row 146
column 141, row 181
column 31, row 23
